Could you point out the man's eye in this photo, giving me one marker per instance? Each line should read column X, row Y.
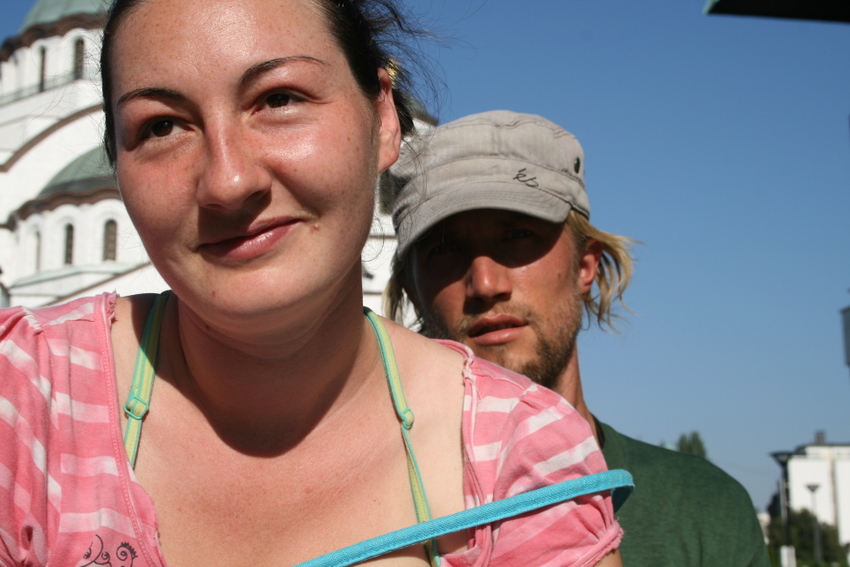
column 162, row 128
column 278, row 100
column 516, row 233
column 433, row 250
column 444, row 248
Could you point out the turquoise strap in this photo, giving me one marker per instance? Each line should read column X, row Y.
column 426, row 530
column 138, row 402
column 619, row 481
column 405, row 416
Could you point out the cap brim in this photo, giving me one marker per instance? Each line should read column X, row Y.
column 480, row 195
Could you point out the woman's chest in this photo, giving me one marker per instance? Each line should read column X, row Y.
column 279, row 511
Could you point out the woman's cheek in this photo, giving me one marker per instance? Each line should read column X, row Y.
column 153, row 208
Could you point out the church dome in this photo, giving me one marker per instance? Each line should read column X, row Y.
column 89, row 171
column 49, row 11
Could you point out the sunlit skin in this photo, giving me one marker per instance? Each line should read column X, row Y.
column 508, row 286
column 248, row 155
column 232, row 178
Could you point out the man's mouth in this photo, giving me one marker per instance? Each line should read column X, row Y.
column 492, row 324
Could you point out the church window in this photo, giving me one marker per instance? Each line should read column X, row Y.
column 37, row 251
column 42, row 70
column 110, row 240
column 79, row 58
column 69, row 244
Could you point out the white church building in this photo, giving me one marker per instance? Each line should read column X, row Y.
column 64, row 232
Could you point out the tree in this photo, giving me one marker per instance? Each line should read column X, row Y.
column 801, row 528
column 691, row 444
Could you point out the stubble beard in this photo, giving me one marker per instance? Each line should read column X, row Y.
column 555, row 346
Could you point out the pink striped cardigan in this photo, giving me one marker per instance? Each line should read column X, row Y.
column 69, row 497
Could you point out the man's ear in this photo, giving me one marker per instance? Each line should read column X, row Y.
column 588, row 265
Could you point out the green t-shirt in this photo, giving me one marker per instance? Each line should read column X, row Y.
column 684, row 511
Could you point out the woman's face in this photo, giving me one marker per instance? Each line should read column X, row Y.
column 246, row 153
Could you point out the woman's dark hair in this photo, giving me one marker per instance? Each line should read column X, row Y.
column 371, row 33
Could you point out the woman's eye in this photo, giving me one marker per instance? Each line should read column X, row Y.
column 162, row 128
column 278, row 100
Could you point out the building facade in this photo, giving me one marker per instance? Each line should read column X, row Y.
column 818, row 477
column 64, row 232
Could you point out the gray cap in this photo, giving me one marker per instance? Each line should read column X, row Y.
column 493, row 160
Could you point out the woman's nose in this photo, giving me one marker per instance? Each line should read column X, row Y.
column 234, row 173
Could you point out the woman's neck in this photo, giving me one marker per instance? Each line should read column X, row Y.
column 265, row 398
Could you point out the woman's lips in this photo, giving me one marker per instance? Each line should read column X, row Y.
column 497, row 330
column 248, row 246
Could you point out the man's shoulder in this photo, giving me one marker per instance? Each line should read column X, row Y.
column 645, row 454
column 673, row 472
column 684, row 511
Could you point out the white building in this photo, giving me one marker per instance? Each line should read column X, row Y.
column 819, row 480
column 64, row 232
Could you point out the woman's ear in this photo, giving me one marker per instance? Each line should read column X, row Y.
column 588, row 265
column 389, row 133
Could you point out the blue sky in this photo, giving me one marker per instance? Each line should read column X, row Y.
column 722, row 143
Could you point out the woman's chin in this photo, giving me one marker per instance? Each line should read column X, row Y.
column 266, row 302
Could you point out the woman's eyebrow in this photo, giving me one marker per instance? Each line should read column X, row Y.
column 249, row 76
column 150, row 92
column 255, row 71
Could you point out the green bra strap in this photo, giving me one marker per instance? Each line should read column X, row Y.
column 405, row 416
column 138, row 402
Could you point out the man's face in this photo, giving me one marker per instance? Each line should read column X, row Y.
column 505, row 284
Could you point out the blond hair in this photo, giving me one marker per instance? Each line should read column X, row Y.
column 612, row 276
column 613, row 273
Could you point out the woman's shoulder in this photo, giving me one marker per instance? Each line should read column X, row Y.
column 519, row 436
column 490, row 388
column 426, row 358
column 82, row 309
column 56, row 383
column 130, row 312
column 507, row 417
column 517, row 419
column 42, row 348
column 497, row 386
column 77, row 325
column 55, row 360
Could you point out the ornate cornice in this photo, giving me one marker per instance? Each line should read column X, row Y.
column 86, row 290
column 53, row 29
column 64, row 198
column 35, row 140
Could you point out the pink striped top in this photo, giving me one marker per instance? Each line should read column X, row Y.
column 69, row 497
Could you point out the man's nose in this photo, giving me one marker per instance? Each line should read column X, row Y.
column 488, row 280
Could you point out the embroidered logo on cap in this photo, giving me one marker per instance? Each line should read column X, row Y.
column 523, row 177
